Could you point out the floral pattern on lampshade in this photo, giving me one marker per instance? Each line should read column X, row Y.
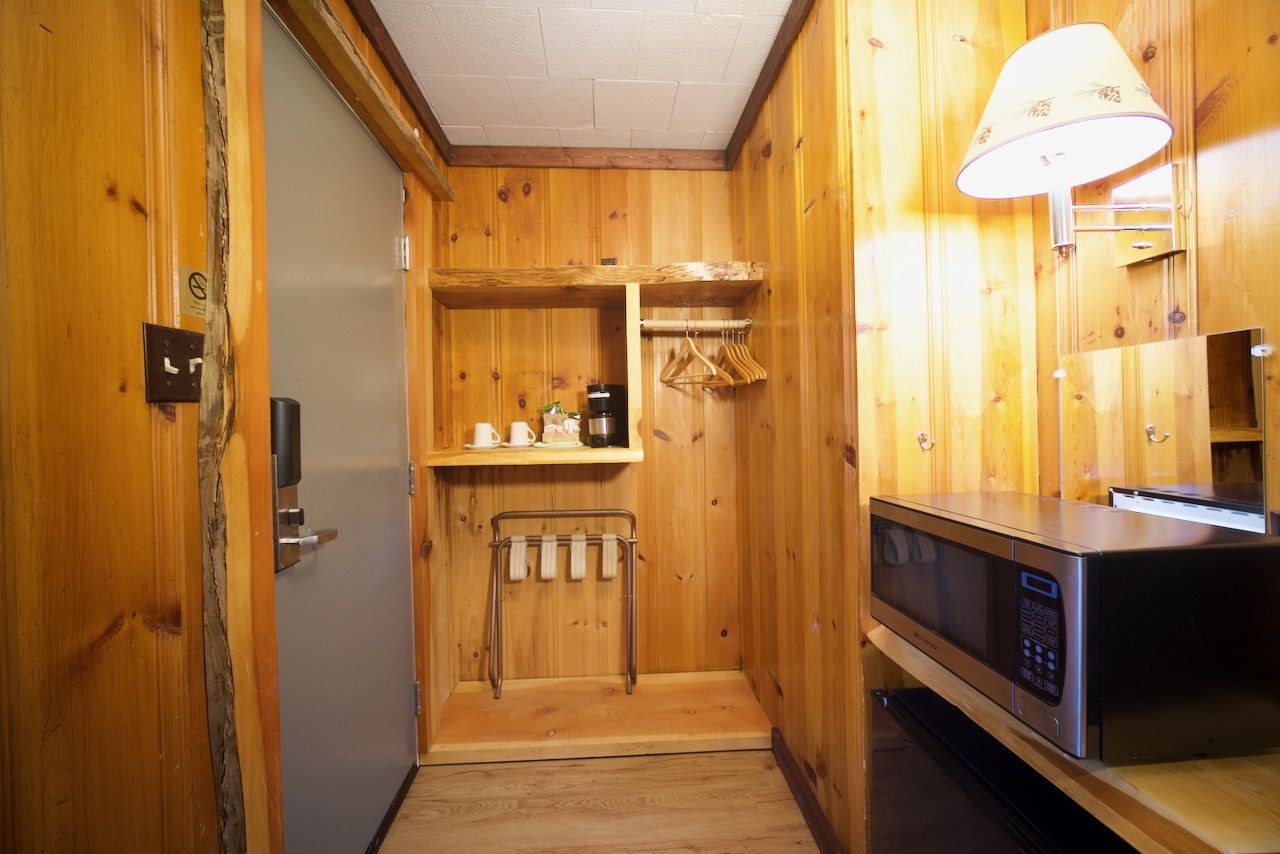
column 1101, row 91
column 984, row 135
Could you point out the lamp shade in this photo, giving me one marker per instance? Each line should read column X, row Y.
column 1068, row 108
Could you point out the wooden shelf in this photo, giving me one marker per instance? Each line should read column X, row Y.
column 1218, row 435
column 586, row 286
column 533, row 456
column 572, row 718
column 1197, row 805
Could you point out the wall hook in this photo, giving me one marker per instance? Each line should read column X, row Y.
column 1151, row 435
column 926, row 444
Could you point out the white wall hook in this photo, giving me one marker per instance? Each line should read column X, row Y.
column 926, row 444
column 1151, row 435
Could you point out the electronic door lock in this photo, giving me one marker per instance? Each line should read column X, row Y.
column 292, row 516
column 289, row 538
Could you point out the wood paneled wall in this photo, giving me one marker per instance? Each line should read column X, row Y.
column 501, row 365
column 103, row 735
column 797, row 453
column 896, row 305
column 1213, row 65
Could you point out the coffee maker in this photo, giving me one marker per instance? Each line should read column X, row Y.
column 607, row 416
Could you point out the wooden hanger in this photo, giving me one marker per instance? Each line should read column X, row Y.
column 729, row 361
column 744, row 354
column 691, row 356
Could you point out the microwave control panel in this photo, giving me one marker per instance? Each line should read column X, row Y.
column 1040, row 636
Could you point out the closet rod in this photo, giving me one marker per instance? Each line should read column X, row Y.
column 647, row 325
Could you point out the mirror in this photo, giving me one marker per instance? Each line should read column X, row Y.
column 1172, row 428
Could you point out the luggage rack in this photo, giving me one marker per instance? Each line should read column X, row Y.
column 500, row 542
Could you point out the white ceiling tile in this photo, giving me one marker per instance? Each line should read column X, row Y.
column 541, row 4
column 414, row 30
column 465, row 135
column 594, row 138
column 755, row 38
column 590, row 43
column 646, row 5
column 541, row 102
column 522, row 136
column 494, row 41
column 713, row 140
column 665, row 139
column 684, row 47
column 469, row 100
column 634, row 104
column 745, row 7
column 708, row 106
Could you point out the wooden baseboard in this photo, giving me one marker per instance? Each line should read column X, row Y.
column 824, row 835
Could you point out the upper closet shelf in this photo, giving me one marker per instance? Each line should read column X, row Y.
column 686, row 284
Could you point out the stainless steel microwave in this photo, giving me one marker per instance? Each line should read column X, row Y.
column 1113, row 634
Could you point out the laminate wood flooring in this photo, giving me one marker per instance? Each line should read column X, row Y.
column 693, row 803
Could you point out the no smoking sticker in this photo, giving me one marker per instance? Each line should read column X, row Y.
column 193, row 292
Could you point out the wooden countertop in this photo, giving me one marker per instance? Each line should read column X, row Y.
column 1199, row 805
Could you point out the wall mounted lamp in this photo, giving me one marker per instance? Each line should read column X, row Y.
column 1069, row 107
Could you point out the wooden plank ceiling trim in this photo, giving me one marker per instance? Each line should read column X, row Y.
column 536, row 157
column 373, row 27
column 321, row 34
column 797, row 14
column 582, row 158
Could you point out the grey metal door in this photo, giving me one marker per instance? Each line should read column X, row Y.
column 344, row 613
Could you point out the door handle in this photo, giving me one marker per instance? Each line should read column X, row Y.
column 314, row 538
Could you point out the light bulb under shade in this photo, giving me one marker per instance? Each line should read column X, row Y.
column 1063, row 156
column 1068, row 107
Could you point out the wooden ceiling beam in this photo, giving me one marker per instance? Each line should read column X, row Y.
column 382, row 42
column 322, row 36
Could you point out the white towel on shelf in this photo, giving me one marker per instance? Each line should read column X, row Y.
column 578, row 557
column 547, row 565
column 519, row 567
column 608, row 556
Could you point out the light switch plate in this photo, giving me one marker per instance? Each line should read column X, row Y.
column 173, row 364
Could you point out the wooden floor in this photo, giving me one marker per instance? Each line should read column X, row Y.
column 691, row 803
column 594, row 716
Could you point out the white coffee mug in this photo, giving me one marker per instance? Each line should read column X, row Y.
column 522, row 433
column 485, row 436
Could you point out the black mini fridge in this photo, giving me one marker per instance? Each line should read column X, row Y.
column 939, row 783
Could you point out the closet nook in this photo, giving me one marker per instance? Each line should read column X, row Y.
column 533, row 649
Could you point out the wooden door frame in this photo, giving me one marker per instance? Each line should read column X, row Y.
column 235, row 432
